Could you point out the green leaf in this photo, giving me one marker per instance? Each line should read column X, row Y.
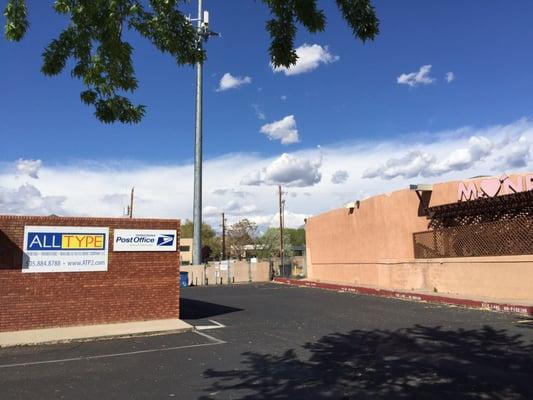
column 88, row 96
column 61, row 6
column 361, row 16
column 102, row 58
column 16, row 20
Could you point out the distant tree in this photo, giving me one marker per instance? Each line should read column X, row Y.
column 240, row 235
column 212, row 244
column 186, row 230
column 212, row 248
column 268, row 244
column 101, row 58
column 296, row 236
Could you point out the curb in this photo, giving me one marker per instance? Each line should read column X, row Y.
column 469, row 303
column 87, row 333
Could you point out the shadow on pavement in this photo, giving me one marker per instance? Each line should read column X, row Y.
column 196, row 309
column 419, row 362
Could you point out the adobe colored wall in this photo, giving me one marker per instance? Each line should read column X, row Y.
column 380, row 229
column 374, row 247
column 137, row 285
column 239, row 273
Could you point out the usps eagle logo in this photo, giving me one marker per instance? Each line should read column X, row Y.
column 165, row 240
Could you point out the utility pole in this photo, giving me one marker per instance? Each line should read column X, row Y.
column 203, row 34
column 197, row 203
column 223, row 237
column 281, row 249
column 131, row 202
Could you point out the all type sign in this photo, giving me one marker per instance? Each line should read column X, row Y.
column 145, row 240
column 64, row 249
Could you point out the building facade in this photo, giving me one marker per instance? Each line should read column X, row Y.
column 469, row 238
column 186, row 251
column 62, row 271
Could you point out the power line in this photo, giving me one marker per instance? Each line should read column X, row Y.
column 281, row 248
column 223, row 237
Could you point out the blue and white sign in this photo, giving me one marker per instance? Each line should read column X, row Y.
column 145, row 240
column 64, row 249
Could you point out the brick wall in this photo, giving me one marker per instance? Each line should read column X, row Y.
column 137, row 285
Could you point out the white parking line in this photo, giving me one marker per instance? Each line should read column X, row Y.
column 217, row 325
column 214, row 341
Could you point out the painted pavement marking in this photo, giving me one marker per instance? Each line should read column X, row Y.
column 216, row 325
column 213, row 341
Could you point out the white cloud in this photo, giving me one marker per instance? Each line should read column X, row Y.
column 258, row 112
column 229, row 81
column 481, row 152
column 100, row 188
column 412, row 164
column 414, row 79
column 210, row 211
column 478, row 148
column 291, row 220
column 517, row 154
column 232, row 208
column 284, row 130
column 231, row 192
column 255, row 178
column 27, row 199
column 419, row 163
column 287, row 170
column 246, row 209
column 309, row 58
column 29, row 167
column 450, row 77
column 340, row 176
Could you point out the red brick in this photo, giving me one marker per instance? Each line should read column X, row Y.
column 136, row 286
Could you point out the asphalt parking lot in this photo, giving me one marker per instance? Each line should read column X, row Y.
column 281, row 342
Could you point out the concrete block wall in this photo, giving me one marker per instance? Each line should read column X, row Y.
column 239, row 273
column 137, row 285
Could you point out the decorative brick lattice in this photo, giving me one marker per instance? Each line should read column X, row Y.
column 500, row 226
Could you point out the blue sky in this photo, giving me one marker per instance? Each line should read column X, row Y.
column 354, row 101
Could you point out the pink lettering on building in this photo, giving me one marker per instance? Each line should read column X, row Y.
column 492, row 187
column 467, row 191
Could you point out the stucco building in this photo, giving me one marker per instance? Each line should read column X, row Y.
column 469, row 238
column 185, row 251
